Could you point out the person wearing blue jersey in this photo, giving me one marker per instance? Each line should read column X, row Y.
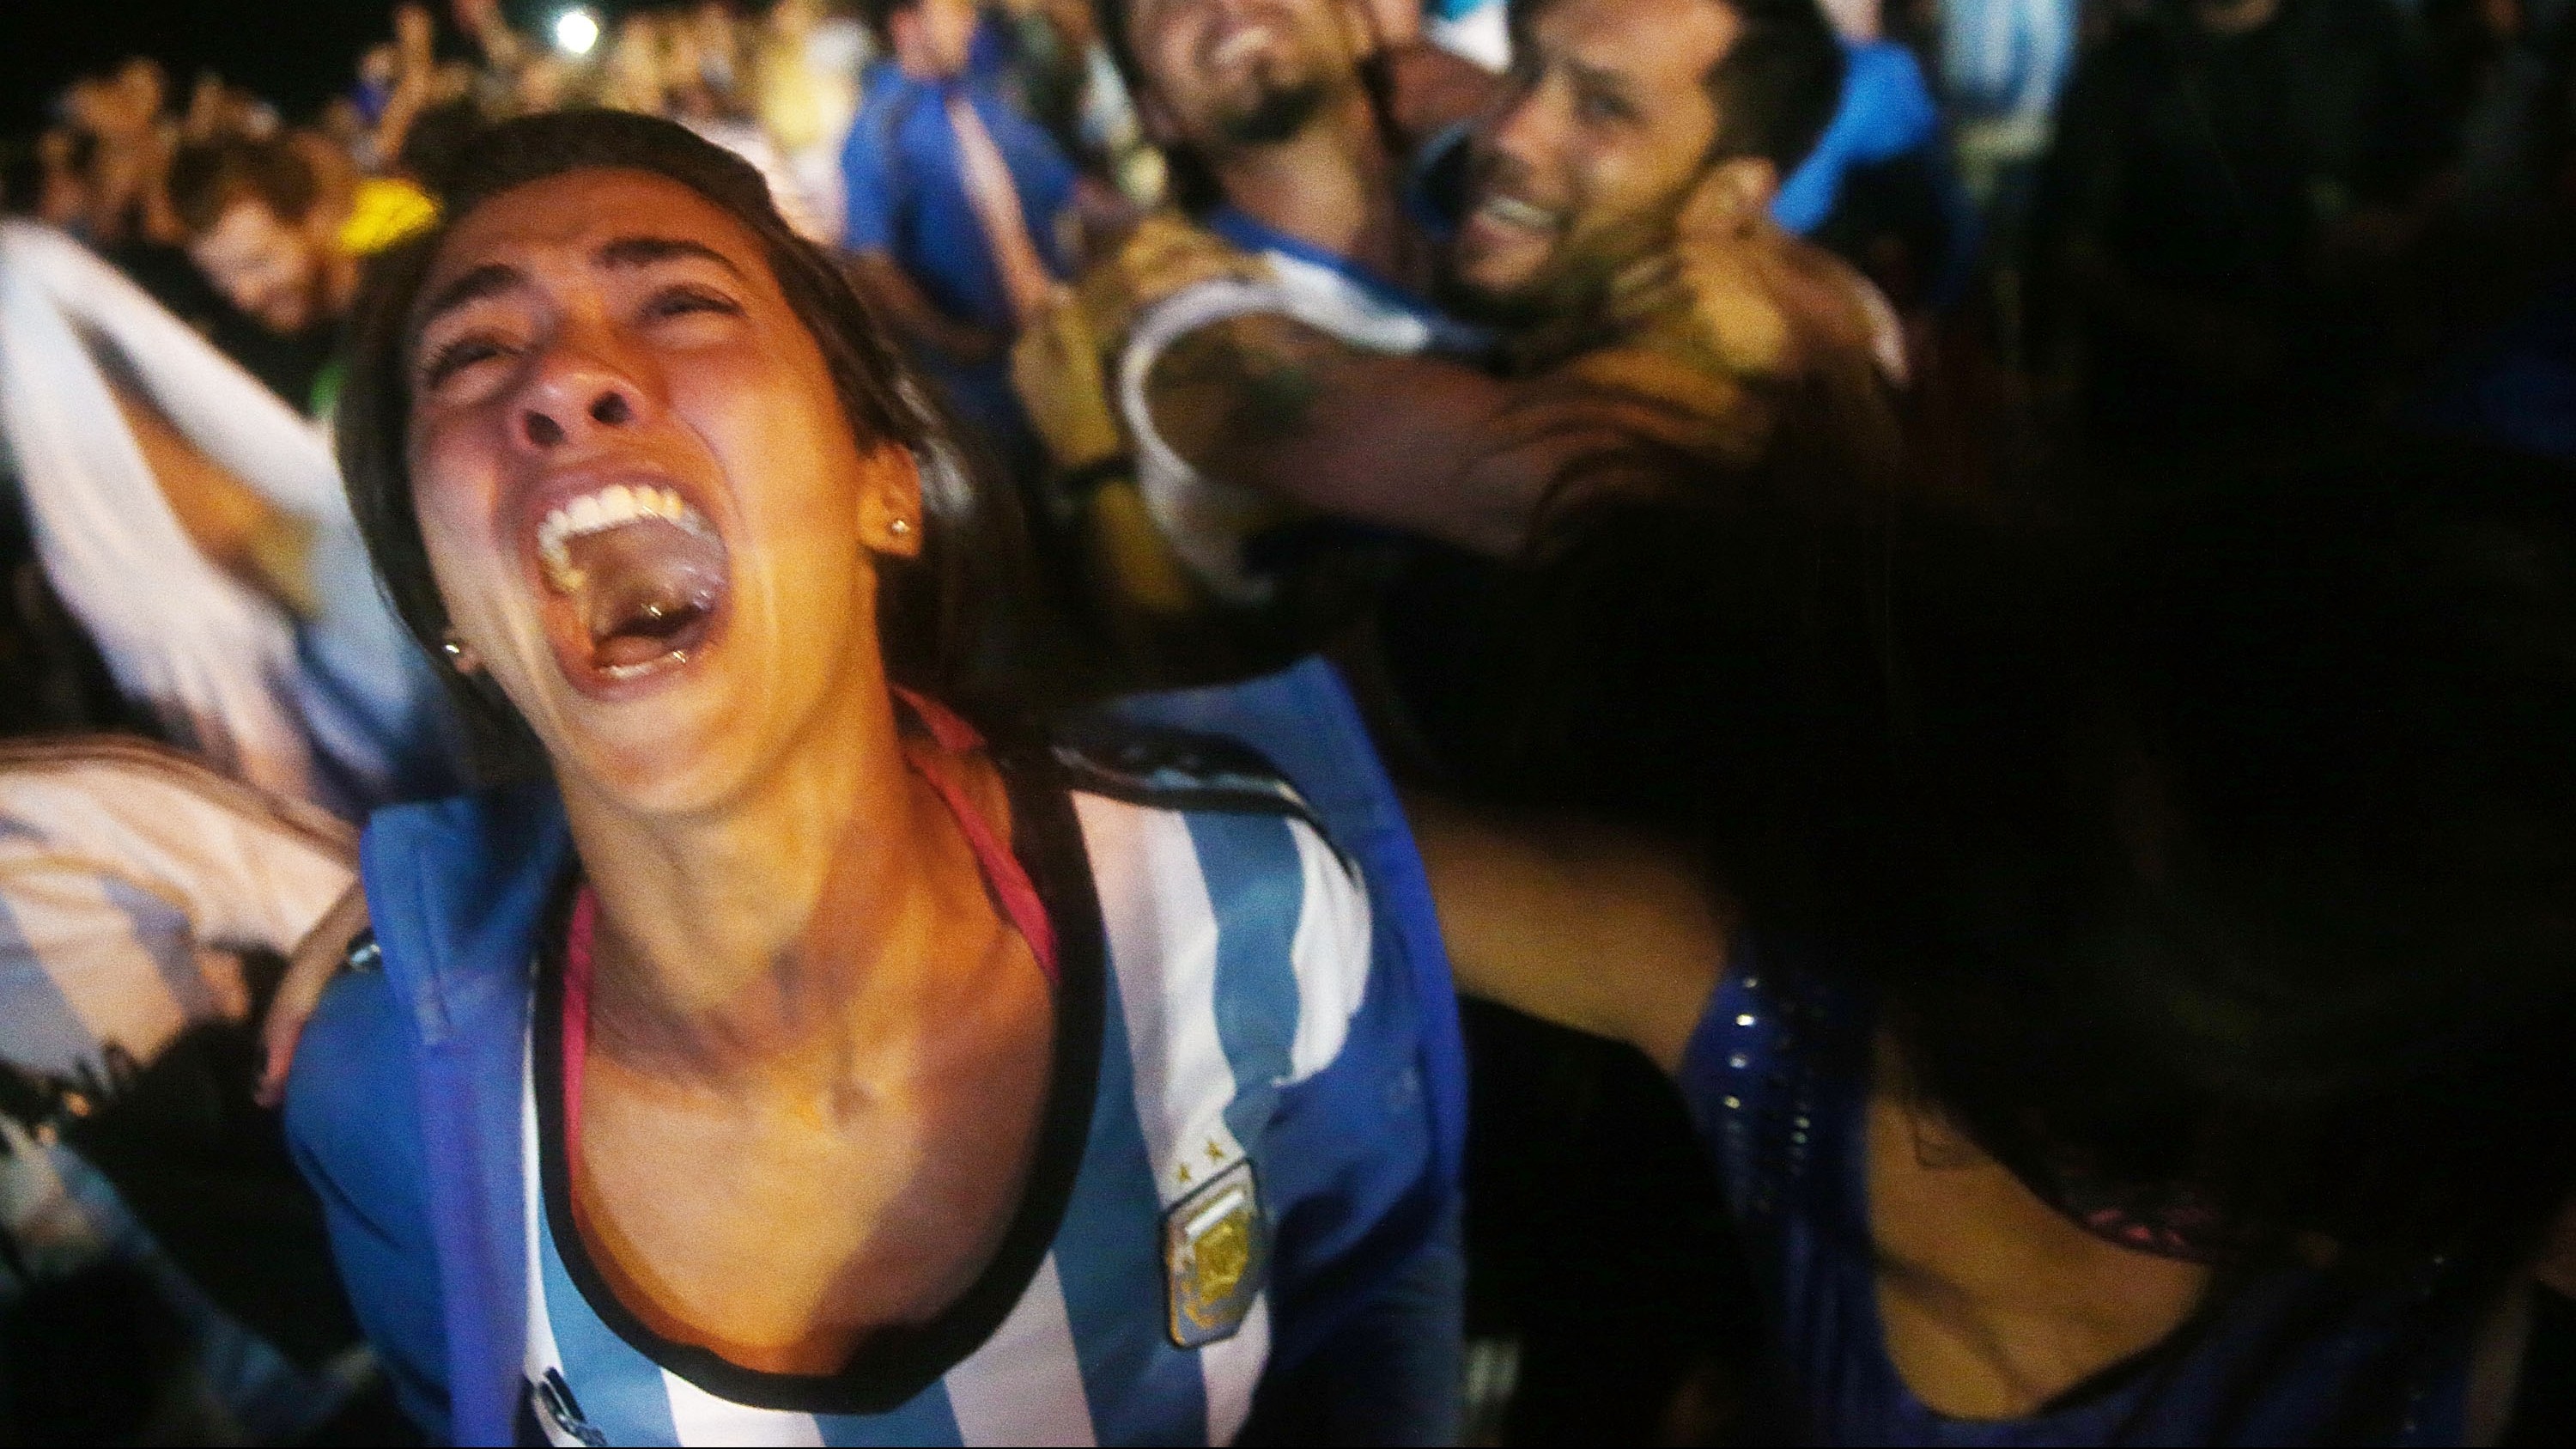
column 1293, row 222
column 805, row 1049
column 1611, row 221
column 958, row 204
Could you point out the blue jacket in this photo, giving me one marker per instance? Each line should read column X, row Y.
column 419, row 1171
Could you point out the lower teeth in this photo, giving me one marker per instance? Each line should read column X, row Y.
column 631, row 671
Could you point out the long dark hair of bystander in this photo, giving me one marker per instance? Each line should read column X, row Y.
column 2221, row 880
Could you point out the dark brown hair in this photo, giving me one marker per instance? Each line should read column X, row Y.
column 878, row 16
column 1776, row 87
column 208, row 180
column 940, row 616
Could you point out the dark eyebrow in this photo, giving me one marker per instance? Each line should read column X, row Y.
column 488, row 280
column 644, row 251
column 1598, row 77
column 493, row 278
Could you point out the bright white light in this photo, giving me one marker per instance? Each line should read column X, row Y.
column 576, row 31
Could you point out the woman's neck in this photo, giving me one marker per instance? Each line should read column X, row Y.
column 736, row 940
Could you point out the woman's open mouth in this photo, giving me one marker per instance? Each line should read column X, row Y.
column 638, row 579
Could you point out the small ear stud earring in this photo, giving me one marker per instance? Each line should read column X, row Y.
column 454, row 649
column 899, row 527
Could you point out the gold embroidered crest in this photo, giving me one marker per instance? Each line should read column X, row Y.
column 1216, row 1252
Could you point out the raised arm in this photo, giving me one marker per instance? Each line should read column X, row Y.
column 1587, row 927
column 237, row 529
column 1693, row 342
column 1414, row 443
column 900, row 300
column 249, row 870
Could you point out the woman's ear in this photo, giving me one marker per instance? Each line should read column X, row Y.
column 890, row 512
column 460, row 655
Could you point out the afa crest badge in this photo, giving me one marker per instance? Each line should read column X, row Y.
column 1216, row 1255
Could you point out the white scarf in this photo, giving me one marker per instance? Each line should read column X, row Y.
column 333, row 711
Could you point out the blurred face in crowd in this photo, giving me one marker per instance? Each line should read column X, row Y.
column 146, row 89
column 1243, row 72
column 270, row 269
column 935, row 37
column 65, row 192
column 1606, row 128
column 118, row 109
column 643, row 503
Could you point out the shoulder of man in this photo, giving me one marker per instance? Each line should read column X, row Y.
column 1166, row 255
column 1770, row 307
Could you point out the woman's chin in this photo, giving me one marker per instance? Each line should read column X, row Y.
column 658, row 730
column 684, row 763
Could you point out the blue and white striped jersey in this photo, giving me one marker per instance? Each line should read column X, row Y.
column 131, row 877
column 1251, row 1118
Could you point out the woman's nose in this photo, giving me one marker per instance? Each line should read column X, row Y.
column 549, row 423
column 581, row 386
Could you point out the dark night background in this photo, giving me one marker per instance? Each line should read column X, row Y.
column 294, row 52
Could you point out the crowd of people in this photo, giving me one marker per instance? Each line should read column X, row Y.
column 1497, row 721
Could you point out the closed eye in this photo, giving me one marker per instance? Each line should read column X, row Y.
column 1597, row 105
column 680, row 301
column 456, row 356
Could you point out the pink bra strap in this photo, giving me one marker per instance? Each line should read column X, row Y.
column 954, row 735
column 576, row 1007
column 1002, row 870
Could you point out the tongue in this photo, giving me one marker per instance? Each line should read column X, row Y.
column 645, row 589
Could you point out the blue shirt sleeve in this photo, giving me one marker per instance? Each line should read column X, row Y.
column 1885, row 111
column 352, row 1124
column 1390, row 1374
column 868, row 171
column 1368, row 1314
column 1304, row 721
column 1040, row 171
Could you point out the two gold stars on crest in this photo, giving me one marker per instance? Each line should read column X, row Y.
column 1215, row 1154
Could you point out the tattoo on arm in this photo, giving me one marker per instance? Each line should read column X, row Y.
column 1270, row 404
column 1230, row 388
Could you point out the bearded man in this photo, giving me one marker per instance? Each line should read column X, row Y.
column 1279, row 361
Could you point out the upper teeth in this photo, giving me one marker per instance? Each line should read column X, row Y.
column 1513, row 211
column 1239, row 42
column 610, row 507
